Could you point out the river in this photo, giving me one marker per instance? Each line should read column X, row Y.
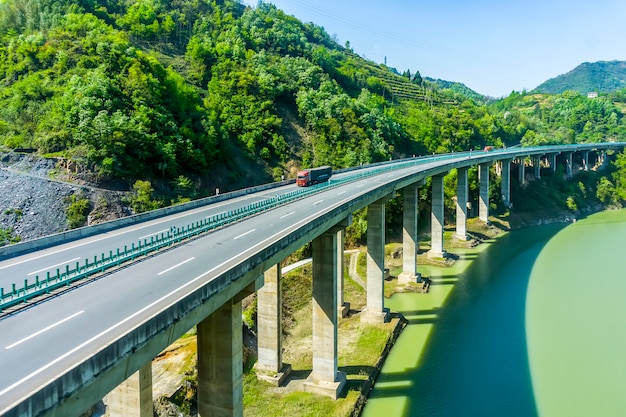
column 532, row 324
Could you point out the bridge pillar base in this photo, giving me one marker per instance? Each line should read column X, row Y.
column 406, row 277
column 462, row 237
column 274, row 378
column 329, row 389
column 375, row 317
column 436, row 254
column 343, row 309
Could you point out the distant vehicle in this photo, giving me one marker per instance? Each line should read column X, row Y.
column 312, row 176
column 488, row 148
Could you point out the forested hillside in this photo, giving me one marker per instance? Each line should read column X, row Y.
column 205, row 93
column 601, row 76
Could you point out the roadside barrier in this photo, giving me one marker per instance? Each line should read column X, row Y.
column 63, row 278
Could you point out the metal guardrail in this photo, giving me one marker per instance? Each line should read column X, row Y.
column 29, row 290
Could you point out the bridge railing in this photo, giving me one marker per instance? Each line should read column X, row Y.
column 54, row 282
column 64, row 278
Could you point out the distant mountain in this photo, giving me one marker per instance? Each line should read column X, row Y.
column 601, row 76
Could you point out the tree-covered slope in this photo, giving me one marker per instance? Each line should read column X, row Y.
column 602, row 77
column 208, row 93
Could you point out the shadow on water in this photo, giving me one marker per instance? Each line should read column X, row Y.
column 472, row 358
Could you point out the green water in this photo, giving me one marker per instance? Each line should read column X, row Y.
column 530, row 325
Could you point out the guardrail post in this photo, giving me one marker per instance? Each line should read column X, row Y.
column 13, row 289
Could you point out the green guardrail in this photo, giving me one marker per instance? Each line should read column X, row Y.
column 63, row 278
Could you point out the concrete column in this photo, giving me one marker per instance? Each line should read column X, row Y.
column 553, row 162
column 325, row 379
column 133, row 397
column 521, row 172
column 410, row 241
column 483, row 198
column 586, row 160
column 568, row 164
column 342, row 307
column 537, row 167
column 505, row 185
column 220, row 363
column 269, row 366
column 375, row 311
column 437, row 221
column 461, row 204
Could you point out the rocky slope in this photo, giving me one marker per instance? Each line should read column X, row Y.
column 34, row 195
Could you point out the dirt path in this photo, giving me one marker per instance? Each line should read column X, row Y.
column 354, row 257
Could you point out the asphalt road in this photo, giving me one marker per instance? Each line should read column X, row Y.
column 40, row 343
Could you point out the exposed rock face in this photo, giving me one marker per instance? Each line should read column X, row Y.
column 33, row 203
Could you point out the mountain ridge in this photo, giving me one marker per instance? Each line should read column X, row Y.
column 600, row 76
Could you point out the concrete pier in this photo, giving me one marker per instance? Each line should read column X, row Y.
column 220, row 363
column 521, row 171
column 132, row 398
column 568, row 164
column 437, row 220
column 537, row 166
column 461, row 204
column 410, row 240
column 269, row 366
column 505, row 185
column 483, row 197
column 325, row 379
column 374, row 311
column 586, row 160
column 343, row 307
column 552, row 159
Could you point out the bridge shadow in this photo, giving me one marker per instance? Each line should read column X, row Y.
column 467, row 356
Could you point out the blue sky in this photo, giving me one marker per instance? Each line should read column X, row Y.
column 493, row 47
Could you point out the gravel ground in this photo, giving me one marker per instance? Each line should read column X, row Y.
column 33, row 203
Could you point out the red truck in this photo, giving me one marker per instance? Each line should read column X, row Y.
column 312, row 176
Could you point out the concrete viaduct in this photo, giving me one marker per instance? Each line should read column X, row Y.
column 123, row 366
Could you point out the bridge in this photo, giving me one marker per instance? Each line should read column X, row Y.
column 83, row 313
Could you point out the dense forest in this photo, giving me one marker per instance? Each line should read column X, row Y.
column 172, row 92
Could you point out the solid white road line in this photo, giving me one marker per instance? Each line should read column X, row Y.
column 121, row 322
column 243, row 234
column 152, row 234
column 53, row 266
column 44, row 330
column 176, row 266
column 287, row 215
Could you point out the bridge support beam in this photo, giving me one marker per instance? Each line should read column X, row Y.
column 133, row 397
column 537, row 166
column 568, row 164
column 410, row 240
column 269, row 366
column 375, row 312
column 505, row 185
column 220, row 362
column 437, row 220
column 552, row 159
column 521, row 171
column 461, row 204
column 586, row 160
column 343, row 307
column 325, row 379
column 483, row 197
